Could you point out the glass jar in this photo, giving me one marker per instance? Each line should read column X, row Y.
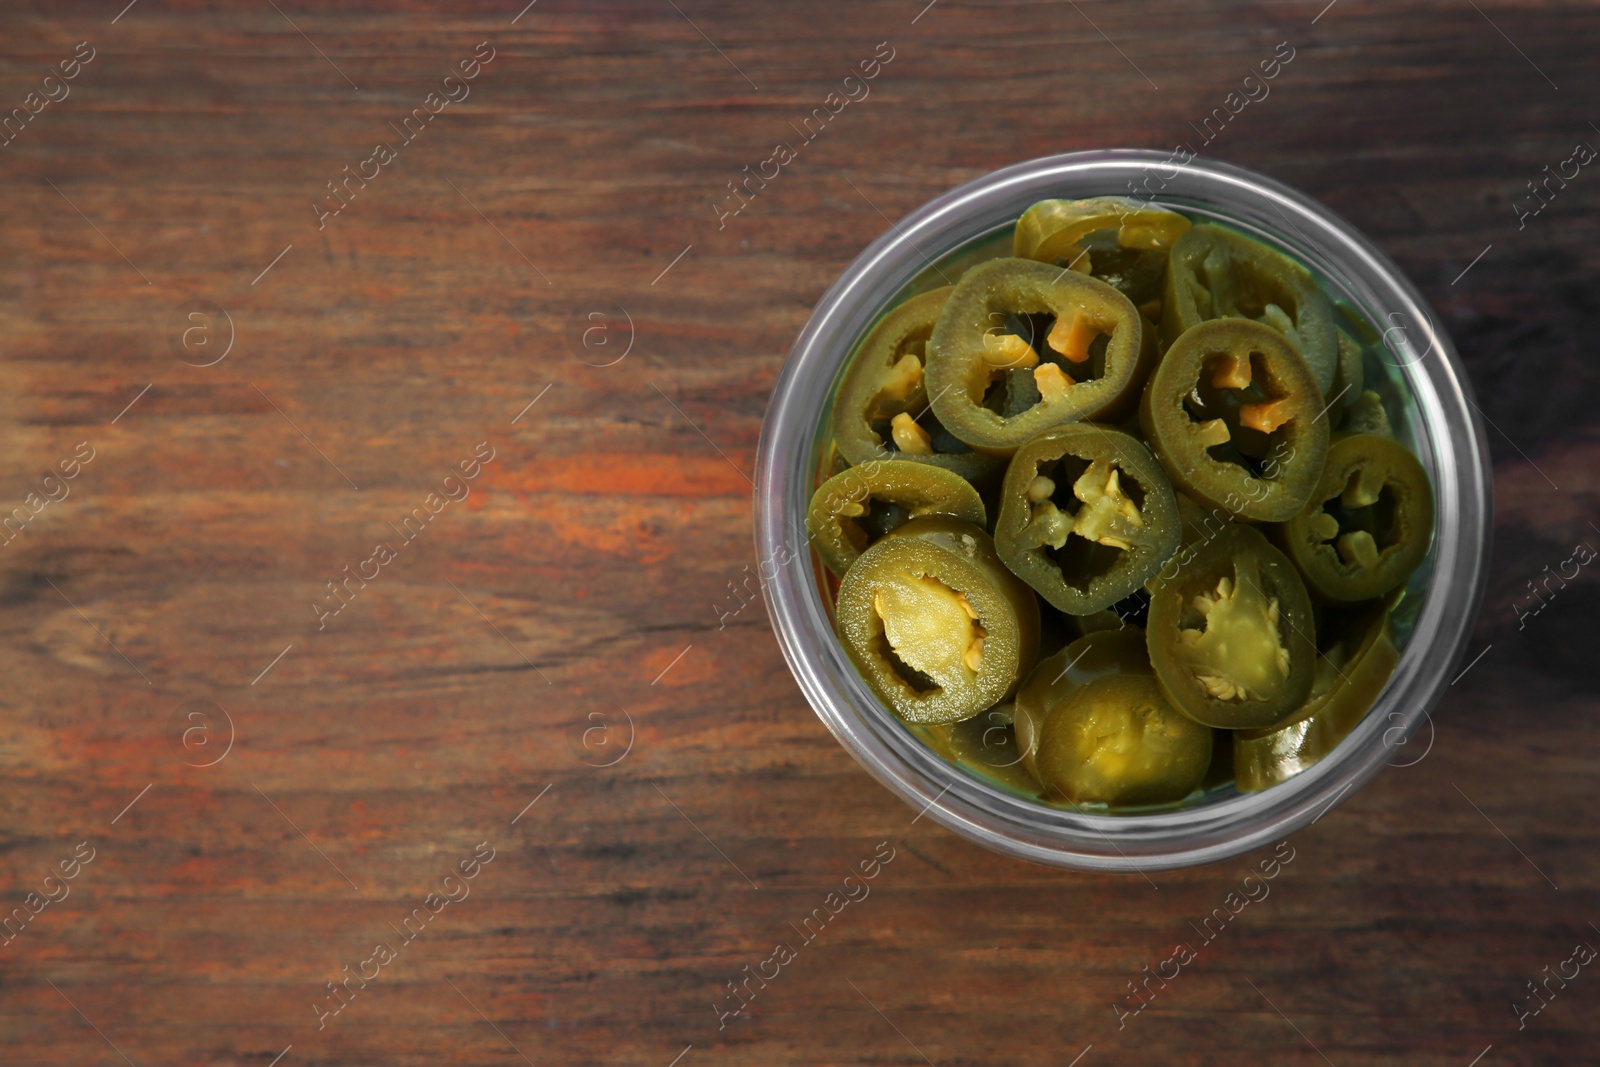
column 1435, row 416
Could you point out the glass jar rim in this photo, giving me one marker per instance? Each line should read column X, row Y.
column 1451, row 444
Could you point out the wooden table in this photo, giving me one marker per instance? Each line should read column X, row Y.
column 542, row 271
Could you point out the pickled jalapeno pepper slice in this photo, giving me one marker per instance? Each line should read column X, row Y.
column 1094, row 726
column 1237, row 421
column 1349, row 677
column 1231, row 633
column 882, row 406
column 1086, row 515
column 1095, row 655
column 859, row 505
column 1119, row 240
column 934, row 623
column 1367, row 525
column 1023, row 346
column 1215, row 273
column 1119, row 741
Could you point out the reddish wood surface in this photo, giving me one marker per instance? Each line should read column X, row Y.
column 562, row 594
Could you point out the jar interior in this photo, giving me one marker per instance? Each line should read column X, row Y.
column 1386, row 354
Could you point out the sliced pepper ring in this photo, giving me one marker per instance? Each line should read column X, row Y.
column 1367, row 525
column 1231, row 633
column 1115, row 524
column 934, row 623
column 1237, row 421
column 1047, row 382
column 1122, row 241
column 1215, row 273
column 859, row 504
column 1349, row 678
column 882, row 405
column 1096, row 655
column 1116, row 739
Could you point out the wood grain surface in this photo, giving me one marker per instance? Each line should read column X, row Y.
column 268, row 791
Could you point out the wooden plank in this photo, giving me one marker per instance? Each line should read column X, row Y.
column 575, row 587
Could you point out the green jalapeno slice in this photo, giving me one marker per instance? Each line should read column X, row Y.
column 1023, row 346
column 1121, row 241
column 861, row 504
column 1231, row 633
column 1215, row 273
column 1086, row 515
column 1094, row 726
column 882, row 406
column 935, row 624
column 1119, row 741
column 1367, row 525
column 1349, row 677
column 1233, row 415
column 1099, row 654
